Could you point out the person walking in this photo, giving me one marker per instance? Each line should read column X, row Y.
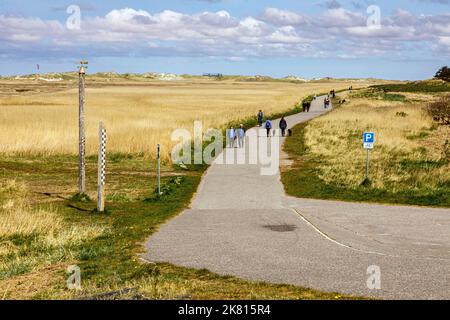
column 231, row 137
column 260, row 118
column 304, row 105
column 308, row 106
column 283, row 126
column 328, row 103
column 268, row 127
column 241, row 136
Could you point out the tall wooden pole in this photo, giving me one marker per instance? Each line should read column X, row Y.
column 101, row 167
column 81, row 134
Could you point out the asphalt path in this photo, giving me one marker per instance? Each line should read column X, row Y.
column 241, row 223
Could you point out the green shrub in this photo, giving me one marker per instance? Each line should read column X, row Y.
column 418, row 86
column 440, row 110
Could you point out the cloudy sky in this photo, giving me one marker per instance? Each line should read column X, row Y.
column 309, row 38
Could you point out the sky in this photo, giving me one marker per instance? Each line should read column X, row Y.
column 405, row 40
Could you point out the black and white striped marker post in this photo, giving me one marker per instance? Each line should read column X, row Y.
column 159, row 170
column 101, row 167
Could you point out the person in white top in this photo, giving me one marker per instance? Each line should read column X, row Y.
column 241, row 136
column 231, row 137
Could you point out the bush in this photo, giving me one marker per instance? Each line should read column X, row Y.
column 440, row 110
column 418, row 86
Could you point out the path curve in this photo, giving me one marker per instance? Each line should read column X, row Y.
column 242, row 224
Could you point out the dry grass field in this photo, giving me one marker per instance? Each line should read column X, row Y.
column 137, row 115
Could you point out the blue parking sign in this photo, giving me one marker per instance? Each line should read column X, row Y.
column 369, row 139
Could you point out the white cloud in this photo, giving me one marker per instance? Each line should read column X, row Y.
column 286, row 34
column 275, row 32
column 341, row 17
column 219, row 19
column 283, row 17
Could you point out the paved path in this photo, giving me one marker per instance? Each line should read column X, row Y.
column 242, row 224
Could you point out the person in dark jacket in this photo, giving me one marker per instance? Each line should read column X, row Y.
column 268, row 127
column 305, row 106
column 260, row 118
column 283, row 126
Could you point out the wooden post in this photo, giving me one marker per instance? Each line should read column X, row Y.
column 81, row 135
column 159, row 170
column 101, row 167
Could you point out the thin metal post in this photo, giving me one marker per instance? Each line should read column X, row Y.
column 101, row 167
column 367, row 164
column 159, row 170
column 81, row 134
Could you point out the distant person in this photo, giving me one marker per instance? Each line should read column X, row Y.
column 260, row 118
column 231, row 137
column 283, row 126
column 308, row 106
column 241, row 136
column 315, row 97
column 268, row 127
column 304, row 106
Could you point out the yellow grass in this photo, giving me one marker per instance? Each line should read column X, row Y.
column 45, row 228
column 337, row 139
column 138, row 116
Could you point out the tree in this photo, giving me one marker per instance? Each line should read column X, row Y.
column 443, row 74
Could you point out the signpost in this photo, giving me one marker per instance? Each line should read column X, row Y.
column 81, row 135
column 368, row 142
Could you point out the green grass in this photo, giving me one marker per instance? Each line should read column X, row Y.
column 378, row 93
column 302, row 180
column 419, row 86
column 420, row 135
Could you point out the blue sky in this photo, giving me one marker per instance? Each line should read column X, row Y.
column 409, row 40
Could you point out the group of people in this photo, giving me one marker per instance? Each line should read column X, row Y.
column 236, row 135
column 268, row 124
